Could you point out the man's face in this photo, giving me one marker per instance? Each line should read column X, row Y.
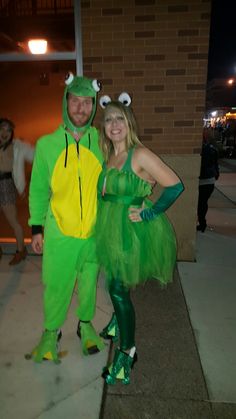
column 79, row 109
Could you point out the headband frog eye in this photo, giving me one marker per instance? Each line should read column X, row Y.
column 104, row 100
column 125, row 99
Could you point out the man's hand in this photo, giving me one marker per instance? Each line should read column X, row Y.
column 37, row 243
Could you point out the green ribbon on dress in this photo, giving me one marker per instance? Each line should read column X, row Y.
column 124, row 199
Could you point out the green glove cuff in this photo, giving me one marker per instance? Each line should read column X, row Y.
column 167, row 198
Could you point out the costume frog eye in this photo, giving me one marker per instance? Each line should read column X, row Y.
column 69, row 78
column 96, row 85
column 125, row 99
column 104, row 100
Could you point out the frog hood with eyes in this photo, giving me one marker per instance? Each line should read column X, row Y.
column 79, row 86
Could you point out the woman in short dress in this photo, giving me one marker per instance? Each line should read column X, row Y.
column 135, row 240
column 13, row 154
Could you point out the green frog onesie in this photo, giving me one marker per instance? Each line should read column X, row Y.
column 63, row 201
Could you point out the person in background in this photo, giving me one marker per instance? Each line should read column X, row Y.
column 63, row 203
column 209, row 173
column 134, row 239
column 13, row 155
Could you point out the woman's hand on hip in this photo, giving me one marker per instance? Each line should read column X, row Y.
column 134, row 214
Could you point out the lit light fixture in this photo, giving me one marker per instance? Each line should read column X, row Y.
column 213, row 114
column 230, row 81
column 37, row 46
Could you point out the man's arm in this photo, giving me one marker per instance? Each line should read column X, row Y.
column 39, row 192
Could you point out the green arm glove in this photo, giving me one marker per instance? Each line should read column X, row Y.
column 167, row 198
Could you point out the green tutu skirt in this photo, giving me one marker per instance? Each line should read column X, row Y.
column 131, row 252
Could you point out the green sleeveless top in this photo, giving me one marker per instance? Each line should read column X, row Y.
column 123, row 185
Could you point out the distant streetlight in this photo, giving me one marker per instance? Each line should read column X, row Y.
column 37, row 46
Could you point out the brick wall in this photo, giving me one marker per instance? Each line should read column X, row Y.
column 157, row 50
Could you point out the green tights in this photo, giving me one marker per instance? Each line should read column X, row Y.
column 125, row 314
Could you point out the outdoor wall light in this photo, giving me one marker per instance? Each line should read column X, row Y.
column 37, row 46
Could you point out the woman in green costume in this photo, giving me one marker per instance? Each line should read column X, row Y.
column 63, row 204
column 134, row 239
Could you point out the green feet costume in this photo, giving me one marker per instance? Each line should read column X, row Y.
column 47, row 349
column 63, row 201
column 91, row 342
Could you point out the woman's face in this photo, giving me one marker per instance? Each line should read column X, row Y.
column 5, row 132
column 115, row 125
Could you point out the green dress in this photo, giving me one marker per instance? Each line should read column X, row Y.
column 128, row 251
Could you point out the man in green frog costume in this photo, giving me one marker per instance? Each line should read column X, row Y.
column 63, row 203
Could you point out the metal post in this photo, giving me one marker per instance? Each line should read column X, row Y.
column 78, row 38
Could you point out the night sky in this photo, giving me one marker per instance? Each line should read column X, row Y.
column 222, row 47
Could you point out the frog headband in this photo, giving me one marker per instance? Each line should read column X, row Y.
column 79, row 86
column 124, row 98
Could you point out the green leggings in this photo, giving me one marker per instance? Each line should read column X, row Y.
column 125, row 314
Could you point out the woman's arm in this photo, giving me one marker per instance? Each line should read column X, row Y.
column 22, row 152
column 150, row 167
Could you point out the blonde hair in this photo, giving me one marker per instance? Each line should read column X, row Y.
column 132, row 135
